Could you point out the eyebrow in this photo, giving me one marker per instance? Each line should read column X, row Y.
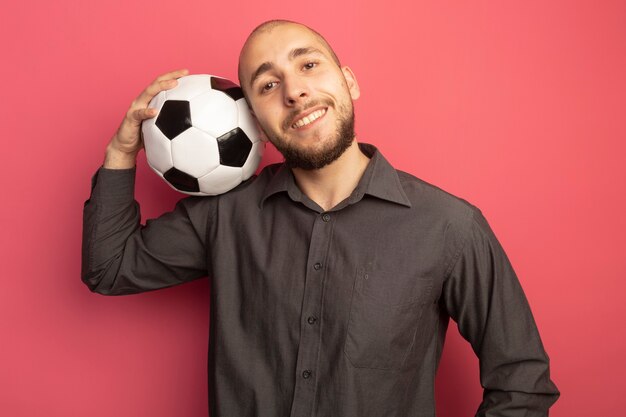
column 293, row 54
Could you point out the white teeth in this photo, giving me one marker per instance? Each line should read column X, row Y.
column 309, row 119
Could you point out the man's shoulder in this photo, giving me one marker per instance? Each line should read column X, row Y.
column 430, row 199
column 258, row 182
column 252, row 189
column 248, row 190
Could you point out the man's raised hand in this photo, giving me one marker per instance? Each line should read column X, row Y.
column 124, row 146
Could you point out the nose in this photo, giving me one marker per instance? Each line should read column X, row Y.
column 295, row 91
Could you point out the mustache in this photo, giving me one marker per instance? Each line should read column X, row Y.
column 293, row 115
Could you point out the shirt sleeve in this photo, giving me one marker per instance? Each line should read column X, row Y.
column 122, row 256
column 483, row 295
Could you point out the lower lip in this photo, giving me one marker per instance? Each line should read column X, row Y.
column 305, row 127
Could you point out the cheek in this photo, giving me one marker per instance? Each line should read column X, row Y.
column 340, row 89
column 261, row 130
column 267, row 110
column 267, row 123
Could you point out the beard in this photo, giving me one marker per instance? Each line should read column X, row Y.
column 331, row 150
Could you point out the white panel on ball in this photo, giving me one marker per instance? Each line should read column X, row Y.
column 189, row 87
column 253, row 159
column 221, row 179
column 246, row 121
column 214, row 112
column 158, row 148
column 195, row 152
column 193, row 149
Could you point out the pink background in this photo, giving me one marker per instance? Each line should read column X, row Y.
column 516, row 106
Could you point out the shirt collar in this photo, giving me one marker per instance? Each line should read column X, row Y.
column 379, row 180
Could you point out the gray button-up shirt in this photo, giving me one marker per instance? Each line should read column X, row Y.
column 338, row 313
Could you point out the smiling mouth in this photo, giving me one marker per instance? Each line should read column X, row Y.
column 308, row 119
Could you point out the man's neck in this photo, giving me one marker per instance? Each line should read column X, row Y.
column 332, row 184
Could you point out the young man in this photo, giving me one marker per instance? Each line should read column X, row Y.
column 333, row 275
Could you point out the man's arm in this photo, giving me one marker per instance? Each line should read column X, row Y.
column 120, row 256
column 483, row 295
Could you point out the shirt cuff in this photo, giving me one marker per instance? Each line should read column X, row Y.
column 113, row 185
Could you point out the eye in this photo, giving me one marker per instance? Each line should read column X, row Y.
column 310, row 65
column 268, row 86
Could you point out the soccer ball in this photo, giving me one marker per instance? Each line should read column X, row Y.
column 203, row 140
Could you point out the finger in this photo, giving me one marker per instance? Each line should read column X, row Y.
column 152, row 90
column 139, row 115
column 165, row 81
column 173, row 74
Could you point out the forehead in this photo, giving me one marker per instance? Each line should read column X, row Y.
column 275, row 44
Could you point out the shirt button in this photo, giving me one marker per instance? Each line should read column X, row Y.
column 317, row 266
column 311, row 319
column 306, row 374
column 326, row 217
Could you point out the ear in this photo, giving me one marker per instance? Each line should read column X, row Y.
column 353, row 85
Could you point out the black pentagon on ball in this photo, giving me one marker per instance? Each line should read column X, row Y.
column 181, row 180
column 227, row 87
column 174, row 118
column 234, row 148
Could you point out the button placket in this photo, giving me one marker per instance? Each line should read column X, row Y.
column 310, row 331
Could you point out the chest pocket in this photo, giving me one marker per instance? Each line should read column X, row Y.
column 384, row 317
